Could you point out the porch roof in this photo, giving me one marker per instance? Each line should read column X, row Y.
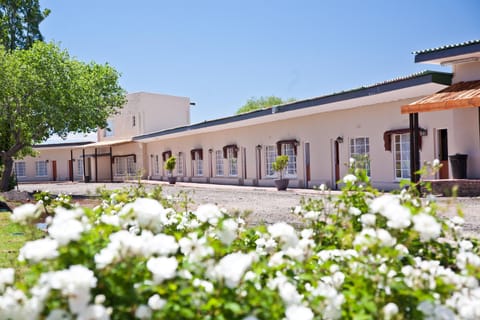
column 458, row 95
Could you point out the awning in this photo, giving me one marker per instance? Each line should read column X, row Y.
column 458, row 95
column 106, row 143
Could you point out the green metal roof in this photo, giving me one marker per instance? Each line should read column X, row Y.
column 450, row 46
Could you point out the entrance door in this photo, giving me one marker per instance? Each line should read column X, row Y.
column 54, row 170
column 307, row 164
column 336, row 147
column 70, row 170
column 443, row 153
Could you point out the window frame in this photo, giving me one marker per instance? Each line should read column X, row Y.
column 364, row 153
column 24, row 169
column 37, row 168
column 401, row 155
column 219, row 164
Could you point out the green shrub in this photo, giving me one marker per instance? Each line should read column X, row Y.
column 359, row 255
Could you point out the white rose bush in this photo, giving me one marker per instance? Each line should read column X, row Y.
column 139, row 255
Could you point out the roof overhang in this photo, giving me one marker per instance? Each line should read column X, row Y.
column 448, row 55
column 106, row 143
column 286, row 113
column 458, row 95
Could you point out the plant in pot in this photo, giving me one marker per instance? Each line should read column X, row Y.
column 170, row 166
column 279, row 166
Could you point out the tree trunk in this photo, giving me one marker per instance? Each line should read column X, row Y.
column 7, row 172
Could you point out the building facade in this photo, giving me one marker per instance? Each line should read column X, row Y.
column 371, row 124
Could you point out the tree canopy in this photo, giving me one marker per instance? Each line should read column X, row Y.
column 43, row 91
column 19, row 23
column 261, row 103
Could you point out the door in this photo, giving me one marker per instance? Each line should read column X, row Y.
column 336, row 148
column 54, row 170
column 307, row 164
column 70, row 170
column 443, row 153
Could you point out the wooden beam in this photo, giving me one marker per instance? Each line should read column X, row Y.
column 441, row 105
column 414, row 148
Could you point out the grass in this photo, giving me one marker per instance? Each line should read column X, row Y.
column 12, row 238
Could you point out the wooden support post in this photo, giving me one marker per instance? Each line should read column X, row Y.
column 414, row 147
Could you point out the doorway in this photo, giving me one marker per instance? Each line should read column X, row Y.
column 442, row 136
column 54, row 170
column 336, row 153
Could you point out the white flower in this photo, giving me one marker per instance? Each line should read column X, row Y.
column 228, row 232
column 465, row 245
column 94, row 312
column 289, row 294
column 195, row 248
column 368, row 219
column 285, row 232
column 354, row 211
column 24, row 213
column 7, row 276
column 206, row 285
column 389, row 310
column 435, row 162
column 385, row 238
column 349, row 178
column 427, row 226
column 162, row 268
column 208, row 213
column 232, row 267
column 149, row 213
column 297, row 312
column 74, row 283
column 160, row 244
column 143, row 312
column 389, row 206
column 65, row 229
column 38, row 250
column 156, row 303
column 111, row 219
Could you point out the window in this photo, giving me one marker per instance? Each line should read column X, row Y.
column 20, row 169
column 197, row 162
column 156, row 165
column 288, row 149
column 180, row 164
column 402, row 155
column 108, row 131
column 219, row 163
column 79, row 167
column 41, row 168
column 125, row 166
column 133, row 121
column 270, row 156
column 360, row 151
column 232, row 162
column 131, row 167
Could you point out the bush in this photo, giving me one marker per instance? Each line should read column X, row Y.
column 360, row 255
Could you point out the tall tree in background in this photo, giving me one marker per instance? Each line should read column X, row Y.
column 19, row 23
column 261, row 103
column 43, row 91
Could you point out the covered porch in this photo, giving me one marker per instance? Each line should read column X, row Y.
column 461, row 144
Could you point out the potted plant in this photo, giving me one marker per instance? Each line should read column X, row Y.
column 170, row 166
column 279, row 166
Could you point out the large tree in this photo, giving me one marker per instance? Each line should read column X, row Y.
column 19, row 23
column 261, row 103
column 43, row 91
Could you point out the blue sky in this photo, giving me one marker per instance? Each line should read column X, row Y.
column 221, row 53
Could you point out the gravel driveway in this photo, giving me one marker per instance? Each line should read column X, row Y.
column 265, row 204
